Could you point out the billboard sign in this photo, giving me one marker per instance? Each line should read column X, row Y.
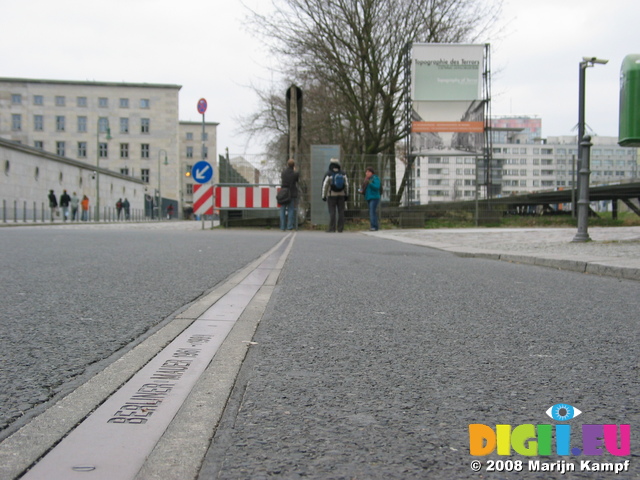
column 447, row 98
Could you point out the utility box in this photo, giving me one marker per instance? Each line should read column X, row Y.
column 629, row 126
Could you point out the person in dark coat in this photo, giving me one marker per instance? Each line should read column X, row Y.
column 53, row 204
column 289, row 179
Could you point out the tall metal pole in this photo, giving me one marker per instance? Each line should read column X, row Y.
column 581, row 102
column 159, row 183
column 108, row 130
column 97, row 214
column 583, row 203
column 584, row 150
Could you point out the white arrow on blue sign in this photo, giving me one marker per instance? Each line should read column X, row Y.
column 202, row 172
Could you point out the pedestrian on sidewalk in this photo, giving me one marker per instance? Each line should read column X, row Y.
column 119, row 208
column 53, row 204
column 85, row 208
column 289, row 179
column 65, row 200
column 372, row 190
column 335, row 191
column 127, row 209
column 75, row 203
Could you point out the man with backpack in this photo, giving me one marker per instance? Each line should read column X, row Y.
column 335, row 191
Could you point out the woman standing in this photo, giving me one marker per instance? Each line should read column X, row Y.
column 372, row 190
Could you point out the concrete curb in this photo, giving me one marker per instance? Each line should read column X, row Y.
column 596, row 266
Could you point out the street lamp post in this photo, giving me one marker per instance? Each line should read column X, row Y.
column 166, row 162
column 584, row 144
column 108, row 131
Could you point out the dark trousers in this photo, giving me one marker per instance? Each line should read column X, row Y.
column 336, row 204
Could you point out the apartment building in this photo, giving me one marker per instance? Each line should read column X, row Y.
column 129, row 128
column 523, row 162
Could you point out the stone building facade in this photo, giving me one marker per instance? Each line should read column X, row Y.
column 129, row 128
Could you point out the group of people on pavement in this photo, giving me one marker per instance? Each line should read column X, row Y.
column 69, row 206
column 123, row 206
column 335, row 191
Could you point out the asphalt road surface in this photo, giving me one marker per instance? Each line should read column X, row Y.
column 372, row 358
column 375, row 357
column 74, row 298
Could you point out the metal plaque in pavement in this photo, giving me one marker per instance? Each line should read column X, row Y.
column 115, row 440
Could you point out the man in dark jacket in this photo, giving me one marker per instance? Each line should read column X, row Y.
column 65, row 200
column 289, row 179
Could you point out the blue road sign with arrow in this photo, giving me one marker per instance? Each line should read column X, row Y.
column 202, row 172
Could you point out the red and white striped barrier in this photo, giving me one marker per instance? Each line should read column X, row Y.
column 202, row 199
column 230, row 197
column 241, row 197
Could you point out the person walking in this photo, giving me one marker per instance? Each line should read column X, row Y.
column 119, row 208
column 53, row 204
column 84, row 204
column 335, row 191
column 65, row 200
column 289, row 179
column 372, row 191
column 127, row 209
column 75, row 203
column 170, row 211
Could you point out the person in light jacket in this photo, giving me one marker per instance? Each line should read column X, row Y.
column 335, row 191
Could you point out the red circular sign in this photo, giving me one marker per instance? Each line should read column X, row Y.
column 202, row 105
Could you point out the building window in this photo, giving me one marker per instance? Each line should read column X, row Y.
column 189, row 135
column 103, row 151
column 144, row 174
column 124, row 103
column 60, row 150
column 38, row 100
column 124, row 171
column 39, row 144
column 82, row 124
column 124, row 150
column 103, row 102
column 103, row 124
column 189, row 152
column 60, row 123
column 81, row 101
column 205, row 136
column 16, row 122
column 144, row 125
column 60, row 101
column 189, row 188
column 144, row 103
column 38, row 123
column 144, row 150
column 16, row 99
column 82, row 149
column 124, row 125
column 36, row 174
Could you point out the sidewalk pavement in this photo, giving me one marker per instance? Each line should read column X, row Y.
column 612, row 251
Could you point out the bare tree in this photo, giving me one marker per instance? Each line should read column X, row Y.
column 352, row 54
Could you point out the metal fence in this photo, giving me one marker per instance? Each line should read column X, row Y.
column 14, row 211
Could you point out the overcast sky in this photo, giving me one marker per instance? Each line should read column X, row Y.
column 204, row 46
